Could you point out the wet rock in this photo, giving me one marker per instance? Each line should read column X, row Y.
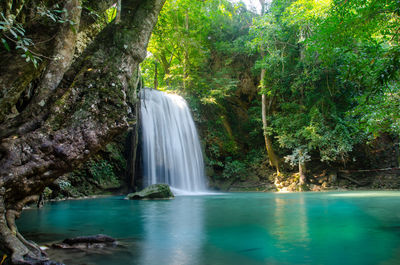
column 292, row 187
column 314, row 187
column 156, row 191
column 30, row 261
column 85, row 242
column 333, row 178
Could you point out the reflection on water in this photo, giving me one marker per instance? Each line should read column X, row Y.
column 287, row 227
column 175, row 234
column 367, row 194
column 242, row 229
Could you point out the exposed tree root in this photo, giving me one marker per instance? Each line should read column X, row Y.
column 22, row 251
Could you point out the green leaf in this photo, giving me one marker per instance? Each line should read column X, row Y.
column 13, row 33
column 21, row 28
column 20, row 31
column 5, row 44
column 72, row 27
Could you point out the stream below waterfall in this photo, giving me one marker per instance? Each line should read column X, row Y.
column 232, row 228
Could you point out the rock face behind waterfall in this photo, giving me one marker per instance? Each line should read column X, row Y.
column 171, row 148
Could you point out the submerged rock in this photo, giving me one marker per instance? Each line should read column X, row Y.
column 155, row 191
column 83, row 242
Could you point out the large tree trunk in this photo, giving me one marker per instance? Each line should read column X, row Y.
column 64, row 47
column 74, row 112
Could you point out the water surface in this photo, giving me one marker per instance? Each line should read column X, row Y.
column 233, row 228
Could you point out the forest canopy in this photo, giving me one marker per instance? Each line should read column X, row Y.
column 330, row 82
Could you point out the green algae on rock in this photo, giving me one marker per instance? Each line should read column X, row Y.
column 156, row 191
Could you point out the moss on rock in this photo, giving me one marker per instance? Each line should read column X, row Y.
column 156, row 191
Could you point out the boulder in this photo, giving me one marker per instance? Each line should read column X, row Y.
column 85, row 242
column 156, row 191
column 332, row 178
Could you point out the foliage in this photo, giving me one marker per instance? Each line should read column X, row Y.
column 64, row 184
column 115, row 155
column 322, row 61
column 197, row 49
column 14, row 32
column 111, row 13
column 102, row 171
column 185, row 42
column 13, row 26
column 379, row 113
column 332, row 72
column 234, row 169
column 299, row 156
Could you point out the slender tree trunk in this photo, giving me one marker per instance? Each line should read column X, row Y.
column 133, row 150
column 118, row 16
column 166, row 65
column 263, row 6
column 273, row 158
column 155, row 75
column 302, row 168
column 186, row 54
column 302, row 173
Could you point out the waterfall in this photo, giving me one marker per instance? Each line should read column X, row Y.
column 171, row 149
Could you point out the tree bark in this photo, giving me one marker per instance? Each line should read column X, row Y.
column 20, row 81
column 263, row 4
column 186, row 54
column 85, row 108
column 155, row 75
column 166, row 65
column 134, row 140
column 273, row 158
column 64, row 43
column 302, row 173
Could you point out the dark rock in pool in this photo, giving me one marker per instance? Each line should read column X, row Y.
column 84, row 242
column 156, row 191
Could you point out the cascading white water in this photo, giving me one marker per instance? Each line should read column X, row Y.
column 170, row 144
